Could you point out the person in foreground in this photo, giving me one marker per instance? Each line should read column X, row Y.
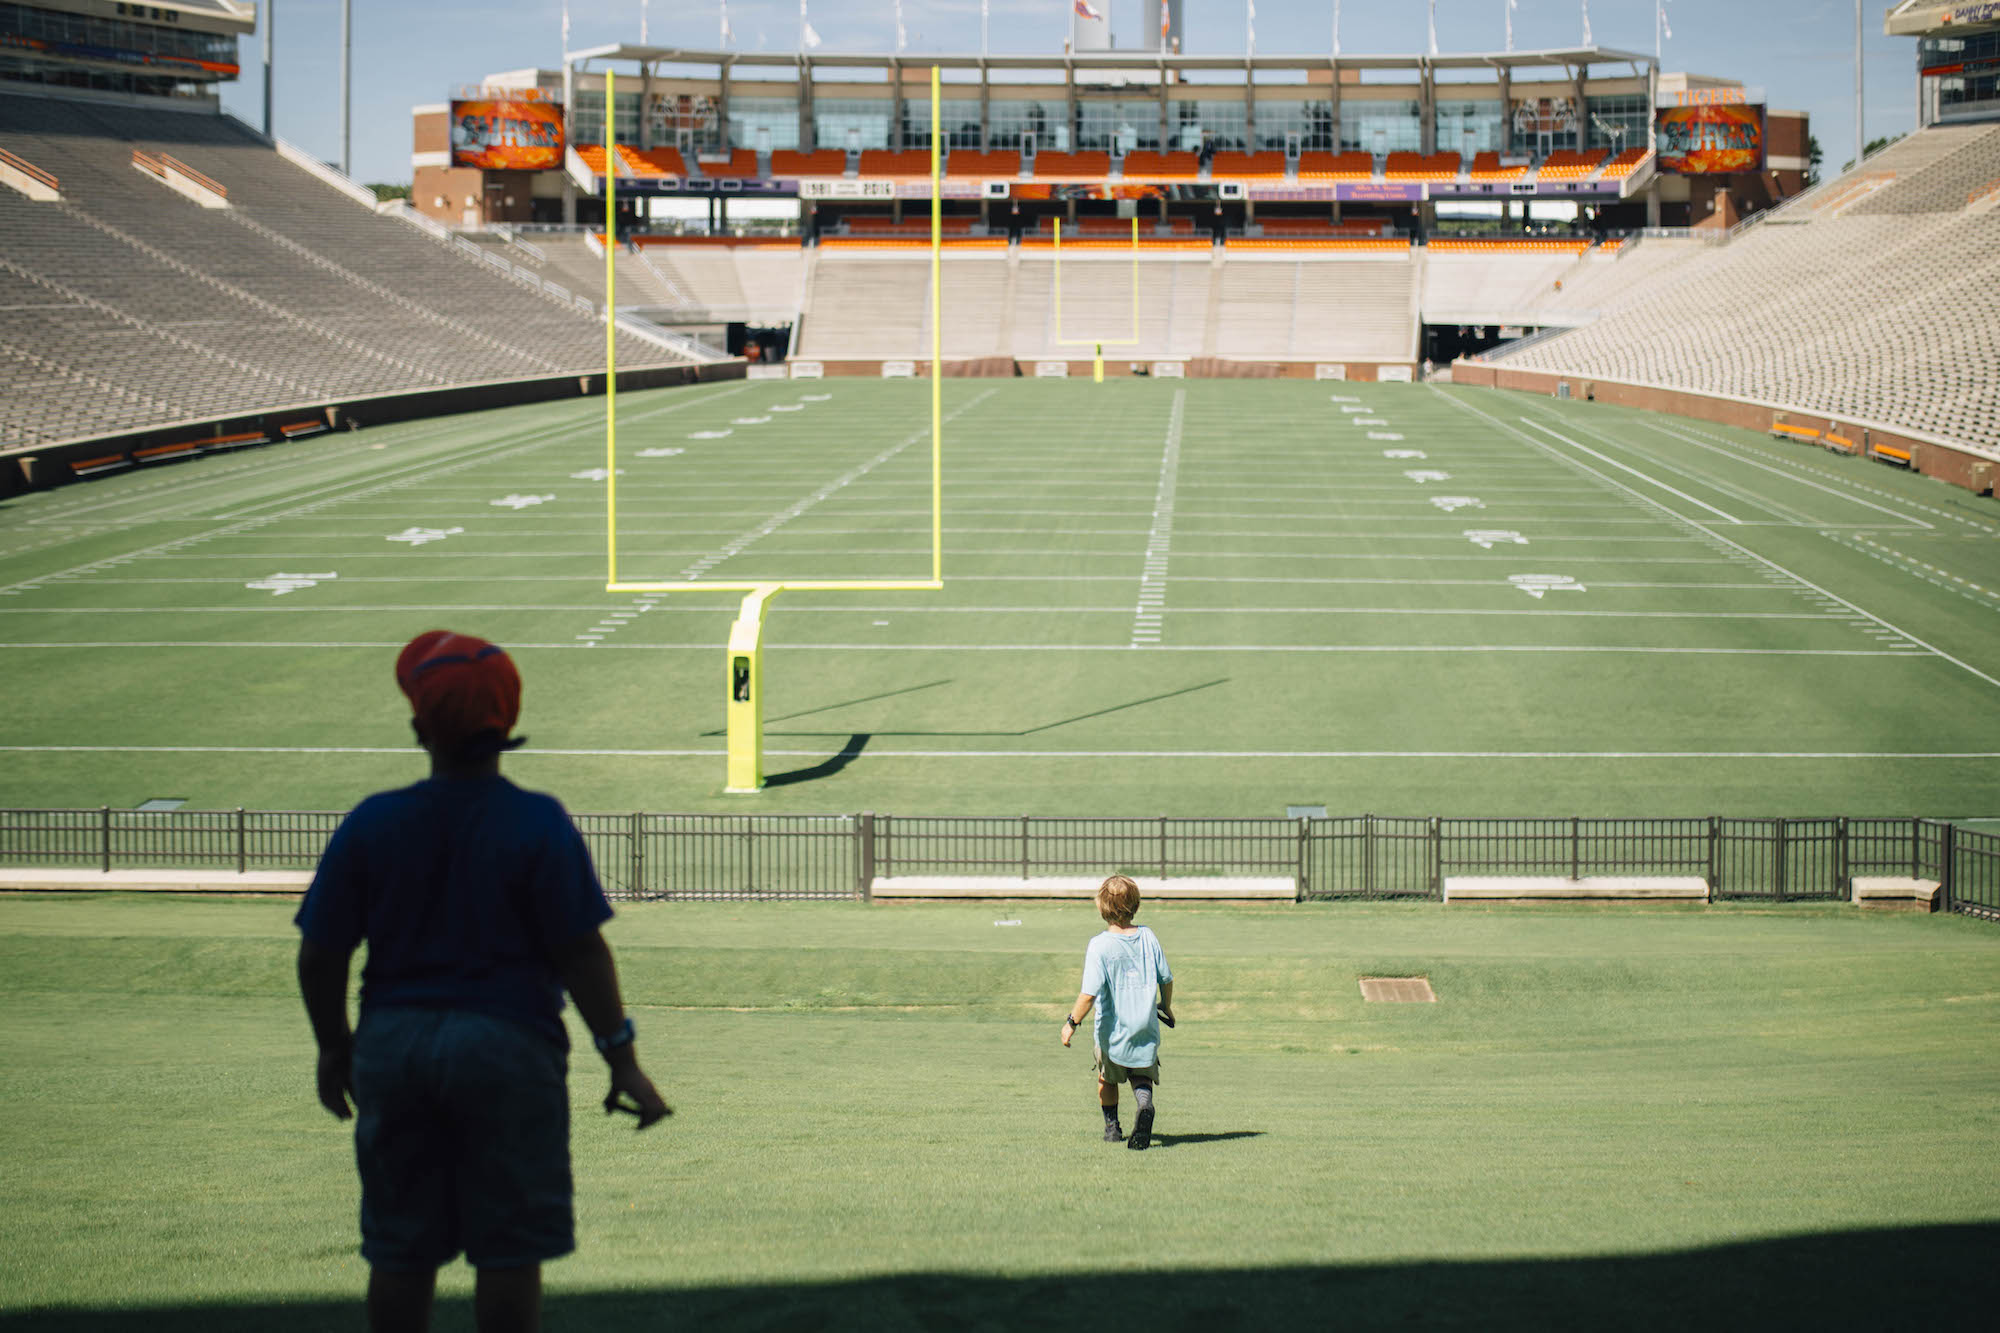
column 480, row 907
column 1125, row 977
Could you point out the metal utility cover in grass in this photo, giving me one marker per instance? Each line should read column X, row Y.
column 1398, row 990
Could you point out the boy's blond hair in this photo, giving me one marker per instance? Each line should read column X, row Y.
column 1118, row 900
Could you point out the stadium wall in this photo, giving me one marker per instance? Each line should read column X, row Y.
column 1117, row 365
column 1958, row 464
column 38, row 467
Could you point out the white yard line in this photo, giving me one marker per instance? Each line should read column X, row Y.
column 693, row 573
column 1722, row 514
column 1902, row 520
column 1420, row 649
column 1772, row 565
column 1148, row 618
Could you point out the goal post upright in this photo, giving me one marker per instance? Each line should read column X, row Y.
column 1097, row 345
column 744, row 658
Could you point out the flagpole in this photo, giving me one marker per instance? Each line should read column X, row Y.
column 985, row 24
column 1587, row 40
column 1510, row 24
column 1336, row 28
column 1434, row 26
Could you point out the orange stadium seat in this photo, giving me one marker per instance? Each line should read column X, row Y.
column 1512, row 245
column 891, row 162
column 996, row 165
column 1419, row 167
column 1358, row 243
column 1072, row 166
column 787, row 162
column 1567, row 165
column 742, row 165
column 1487, row 167
column 1247, row 166
column 1352, row 166
column 1161, row 166
column 1310, row 228
column 1623, row 165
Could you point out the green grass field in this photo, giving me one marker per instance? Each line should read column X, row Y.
column 1423, row 600
column 1624, row 1116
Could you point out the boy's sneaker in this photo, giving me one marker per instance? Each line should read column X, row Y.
column 1142, row 1132
column 1114, row 1133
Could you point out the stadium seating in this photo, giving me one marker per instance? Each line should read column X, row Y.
column 997, row 165
column 1247, row 166
column 788, row 163
column 1623, row 165
column 164, row 311
column 1487, row 167
column 1494, row 282
column 741, row 164
column 1272, row 307
column 1072, row 166
column 1888, row 313
column 1567, row 164
column 1421, row 167
column 650, row 163
column 756, row 284
column 1351, row 166
column 892, row 162
column 1145, row 166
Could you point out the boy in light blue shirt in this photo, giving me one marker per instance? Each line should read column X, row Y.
column 1126, row 979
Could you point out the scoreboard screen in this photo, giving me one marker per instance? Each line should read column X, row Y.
column 1713, row 139
column 507, row 135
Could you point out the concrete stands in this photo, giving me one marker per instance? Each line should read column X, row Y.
column 130, row 304
column 1875, row 305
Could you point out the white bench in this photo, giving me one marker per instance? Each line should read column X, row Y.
column 14, row 880
column 1505, row 888
column 1280, row 888
column 1896, row 891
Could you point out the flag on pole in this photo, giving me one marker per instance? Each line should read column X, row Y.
column 1084, row 11
column 1512, row 5
column 565, row 29
column 1166, row 22
column 807, row 37
column 728, row 33
column 985, row 18
column 1434, row 27
column 644, row 5
column 1587, row 41
column 1336, row 27
column 1250, row 27
column 902, row 37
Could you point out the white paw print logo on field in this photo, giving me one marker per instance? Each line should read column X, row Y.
column 419, row 536
column 1488, row 538
column 751, row 421
column 788, row 407
column 594, row 474
column 1449, row 503
column 1371, row 421
column 519, row 501
column 661, row 453
column 814, row 397
column 1425, row 476
column 1537, row 584
column 709, row 435
column 1390, row 435
column 1353, row 411
column 280, row 584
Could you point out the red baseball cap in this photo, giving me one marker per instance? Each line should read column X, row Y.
column 459, row 687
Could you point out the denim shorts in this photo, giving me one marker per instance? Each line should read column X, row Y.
column 462, row 1138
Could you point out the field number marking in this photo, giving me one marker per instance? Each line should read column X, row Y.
column 751, row 421
column 519, row 502
column 1452, row 503
column 1147, row 618
column 710, row 434
column 1389, row 435
column 1371, row 421
column 1424, row 476
column 419, row 536
column 1404, row 453
column 280, row 584
column 1489, row 538
column 657, row 453
column 1536, row 584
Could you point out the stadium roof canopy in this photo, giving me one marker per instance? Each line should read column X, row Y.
column 1918, row 18
column 1107, row 60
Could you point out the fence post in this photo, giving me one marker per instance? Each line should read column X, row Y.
column 242, row 852
column 1842, row 884
column 1163, row 846
column 104, row 825
column 1778, row 856
column 1916, row 847
column 1575, row 853
column 638, row 871
column 1368, row 854
column 1305, row 850
column 1714, row 856
column 864, row 837
column 1437, row 857
column 1947, row 866
column 1024, row 846
column 750, row 853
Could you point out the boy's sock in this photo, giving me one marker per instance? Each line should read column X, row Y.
column 1113, row 1131
column 1142, row 1124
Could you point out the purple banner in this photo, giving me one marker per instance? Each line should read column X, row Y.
column 1346, row 192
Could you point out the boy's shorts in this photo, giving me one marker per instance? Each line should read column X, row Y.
column 462, row 1138
column 1111, row 1073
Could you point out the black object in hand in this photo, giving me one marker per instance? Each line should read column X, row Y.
column 1165, row 1017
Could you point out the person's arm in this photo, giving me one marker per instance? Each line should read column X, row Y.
column 591, row 977
column 1167, row 998
column 323, row 986
column 1077, row 1013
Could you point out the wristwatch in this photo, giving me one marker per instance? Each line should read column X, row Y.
column 623, row 1036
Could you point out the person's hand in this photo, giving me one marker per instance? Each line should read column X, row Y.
column 1068, row 1031
column 1167, row 1014
column 634, row 1094
column 336, row 1082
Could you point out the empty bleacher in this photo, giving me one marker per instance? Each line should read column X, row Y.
column 294, row 293
column 1888, row 312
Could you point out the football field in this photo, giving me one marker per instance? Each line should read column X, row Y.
column 1179, row 597
column 1614, row 1116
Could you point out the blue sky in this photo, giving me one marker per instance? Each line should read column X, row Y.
column 1800, row 51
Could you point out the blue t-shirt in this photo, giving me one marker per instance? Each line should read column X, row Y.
column 1125, row 973
column 462, row 888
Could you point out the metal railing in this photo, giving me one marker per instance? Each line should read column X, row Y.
column 751, row 857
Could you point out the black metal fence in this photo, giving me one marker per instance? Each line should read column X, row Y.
column 654, row 856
